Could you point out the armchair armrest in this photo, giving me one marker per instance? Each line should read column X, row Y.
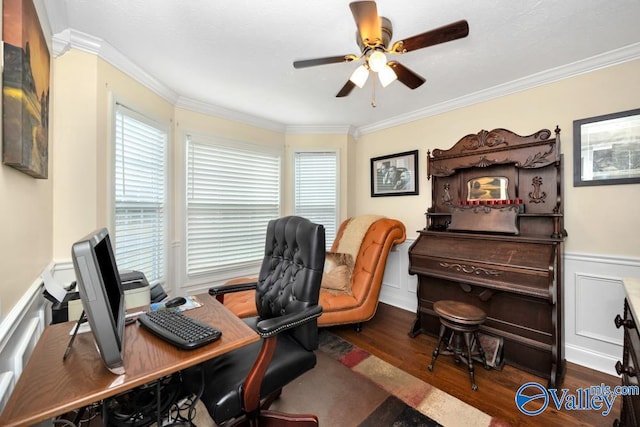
column 271, row 327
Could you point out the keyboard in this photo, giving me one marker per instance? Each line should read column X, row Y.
column 182, row 331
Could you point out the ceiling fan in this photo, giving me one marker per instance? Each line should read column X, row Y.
column 373, row 37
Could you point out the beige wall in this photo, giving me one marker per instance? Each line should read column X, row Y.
column 40, row 219
column 86, row 89
column 75, row 153
column 600, row 220
column 26, row 211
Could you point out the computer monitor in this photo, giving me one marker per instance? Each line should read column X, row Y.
column 102, row 295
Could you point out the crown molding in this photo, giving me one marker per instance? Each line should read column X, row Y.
column 321, row 129
column 229, row 114
column 69, row 38
column 608, row 59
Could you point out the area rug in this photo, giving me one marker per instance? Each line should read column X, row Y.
column 350, row 387
column 379, row 394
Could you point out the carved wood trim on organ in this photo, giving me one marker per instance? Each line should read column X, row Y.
column 470, row 269
column 496, row 147
column 502, row 256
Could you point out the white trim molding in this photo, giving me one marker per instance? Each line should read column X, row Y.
column 19, row 333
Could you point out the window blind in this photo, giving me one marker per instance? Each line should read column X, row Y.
column 140, row 195
column 315, row 187
column 231, row 195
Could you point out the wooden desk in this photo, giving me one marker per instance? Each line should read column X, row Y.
column 49, row 387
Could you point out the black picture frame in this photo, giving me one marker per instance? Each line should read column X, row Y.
column 395, row 174
column 606, row 149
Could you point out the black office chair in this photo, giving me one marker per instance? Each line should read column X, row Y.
column 237, row 388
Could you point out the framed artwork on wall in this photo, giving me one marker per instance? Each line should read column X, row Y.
column 25, row 90
column 395, row 174
column 606, row 149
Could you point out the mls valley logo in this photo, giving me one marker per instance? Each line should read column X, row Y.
column 533, row 399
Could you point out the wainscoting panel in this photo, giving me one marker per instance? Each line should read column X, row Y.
column 591, row 322
column 593, row 296
column 398, row 286
column 19, row 333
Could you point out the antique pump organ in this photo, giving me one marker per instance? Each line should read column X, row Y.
column 493, row 239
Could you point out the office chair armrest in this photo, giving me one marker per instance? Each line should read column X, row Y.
column 228, row 288
column 270, row 327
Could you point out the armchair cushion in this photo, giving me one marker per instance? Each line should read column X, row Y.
column 337, row 272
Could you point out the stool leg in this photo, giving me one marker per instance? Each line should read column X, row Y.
column 457, row 346
column 436, row 351
column 481, row 350
column 467, row 341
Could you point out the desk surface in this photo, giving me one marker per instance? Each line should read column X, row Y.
column 49, row 387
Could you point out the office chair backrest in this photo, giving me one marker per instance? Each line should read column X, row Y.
column 291, row 272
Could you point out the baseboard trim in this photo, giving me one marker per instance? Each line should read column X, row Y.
column 591, row 359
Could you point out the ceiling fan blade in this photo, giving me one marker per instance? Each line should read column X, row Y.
column 365, row 13
column 406, row 76
column 346, row 89
column 323, row 61
column 453, row 31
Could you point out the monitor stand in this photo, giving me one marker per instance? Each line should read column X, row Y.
column 81, row 320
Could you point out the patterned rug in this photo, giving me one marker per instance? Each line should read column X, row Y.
column 350, row 387
column 378, row 395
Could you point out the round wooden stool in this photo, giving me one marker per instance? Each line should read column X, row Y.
column 463, row 322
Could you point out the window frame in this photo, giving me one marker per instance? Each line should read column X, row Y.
column 295, row 152
column 148, row 119
column 250, row 269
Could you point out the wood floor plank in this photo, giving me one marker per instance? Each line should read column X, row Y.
column 386, row 336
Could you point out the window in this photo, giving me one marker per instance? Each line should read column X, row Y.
column 232, row 192
column 140, row 194
column 316, row 194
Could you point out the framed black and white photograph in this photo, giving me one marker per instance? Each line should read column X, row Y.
column 606, row 149
column 395, row 174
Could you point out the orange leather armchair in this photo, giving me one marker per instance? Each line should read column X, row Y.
column 353, row 307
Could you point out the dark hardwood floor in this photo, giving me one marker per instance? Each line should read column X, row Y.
column 386, row 336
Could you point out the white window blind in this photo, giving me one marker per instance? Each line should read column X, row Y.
column 316, row 194
column 140, row 195
column 232, row 193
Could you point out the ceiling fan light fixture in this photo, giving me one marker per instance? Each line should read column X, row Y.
column 360, row 76
column 387, row 76
column 377, row 61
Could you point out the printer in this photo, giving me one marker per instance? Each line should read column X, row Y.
column 137, row 293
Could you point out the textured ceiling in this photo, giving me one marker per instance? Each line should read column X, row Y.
column 238, row 55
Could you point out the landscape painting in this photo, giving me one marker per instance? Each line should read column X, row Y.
column 25, row 90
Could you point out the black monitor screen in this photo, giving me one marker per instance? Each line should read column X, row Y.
column 110, row 277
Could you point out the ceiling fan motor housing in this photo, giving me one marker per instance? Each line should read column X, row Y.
column 386, row 31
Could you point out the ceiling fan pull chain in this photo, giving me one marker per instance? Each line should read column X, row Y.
column 373, row 93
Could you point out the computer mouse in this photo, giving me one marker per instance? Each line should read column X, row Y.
column 175, row 302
